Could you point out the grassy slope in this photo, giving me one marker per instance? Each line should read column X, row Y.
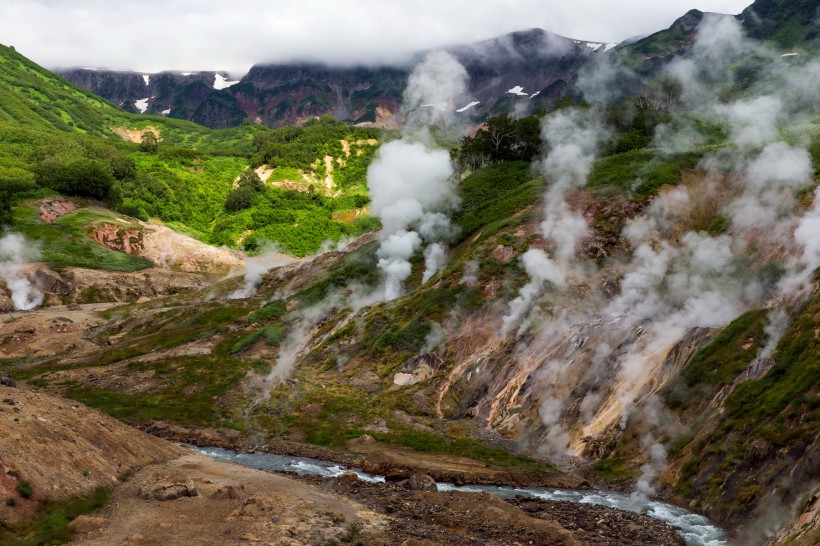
column 735, row 457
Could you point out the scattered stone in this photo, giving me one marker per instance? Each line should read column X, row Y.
column 9, row 402
column 348, row 478
column 74, row 307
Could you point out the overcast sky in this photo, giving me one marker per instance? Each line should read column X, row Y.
column 232, row 35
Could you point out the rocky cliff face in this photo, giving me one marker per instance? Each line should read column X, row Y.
column 174, row 94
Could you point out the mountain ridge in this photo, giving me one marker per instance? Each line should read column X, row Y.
column 277, row 94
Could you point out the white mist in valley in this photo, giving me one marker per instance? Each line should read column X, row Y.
column 572, row 138
column 255, row 269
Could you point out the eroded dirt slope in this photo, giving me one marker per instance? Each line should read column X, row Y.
column 65, row 449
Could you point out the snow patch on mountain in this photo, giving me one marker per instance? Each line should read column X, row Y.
column 221, row 82
column 142, row 105
column 147, row 78
column 517, row 90
column 464, row 108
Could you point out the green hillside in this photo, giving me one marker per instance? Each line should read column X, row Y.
column 56, row 138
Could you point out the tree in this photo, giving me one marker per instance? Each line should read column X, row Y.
column 240, row 199
column 149, row 141
column 249, row 179
column 86, row 177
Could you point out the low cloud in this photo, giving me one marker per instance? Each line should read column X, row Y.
column 210, row 35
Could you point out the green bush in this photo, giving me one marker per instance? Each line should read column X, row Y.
column 51, row 524
column 24, row 489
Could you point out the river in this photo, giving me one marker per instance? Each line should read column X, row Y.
column 695, row 529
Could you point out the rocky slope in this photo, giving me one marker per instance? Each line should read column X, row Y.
column 64, row 449
column 173, row 94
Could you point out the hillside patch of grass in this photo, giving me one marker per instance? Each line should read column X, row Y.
column 65, row 242
column 189, row 388
column 641, row 172
column 494, row 194
column 717, row 364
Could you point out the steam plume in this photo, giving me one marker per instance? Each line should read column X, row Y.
column 255, row 269
column 573, row 138
column 409, row 182
column 14, row 252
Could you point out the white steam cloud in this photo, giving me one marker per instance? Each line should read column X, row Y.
column 655, row 464
column 431, row 89
column 409, row 182
column 15, row 251
column 617, row 347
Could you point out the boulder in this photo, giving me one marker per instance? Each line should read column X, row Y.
column 230, row 492
column 48, row 281
column 170, row 490
column 6, row 380
column 422, row 482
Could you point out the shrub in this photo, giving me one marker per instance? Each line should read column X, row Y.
column 149, row 141
column 24, row 489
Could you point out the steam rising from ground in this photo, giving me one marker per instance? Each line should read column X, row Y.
column 409, row 181
column 410, row 192
column 615, row 349
column 15, row 251
column 255, row 269
column 573, row 137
